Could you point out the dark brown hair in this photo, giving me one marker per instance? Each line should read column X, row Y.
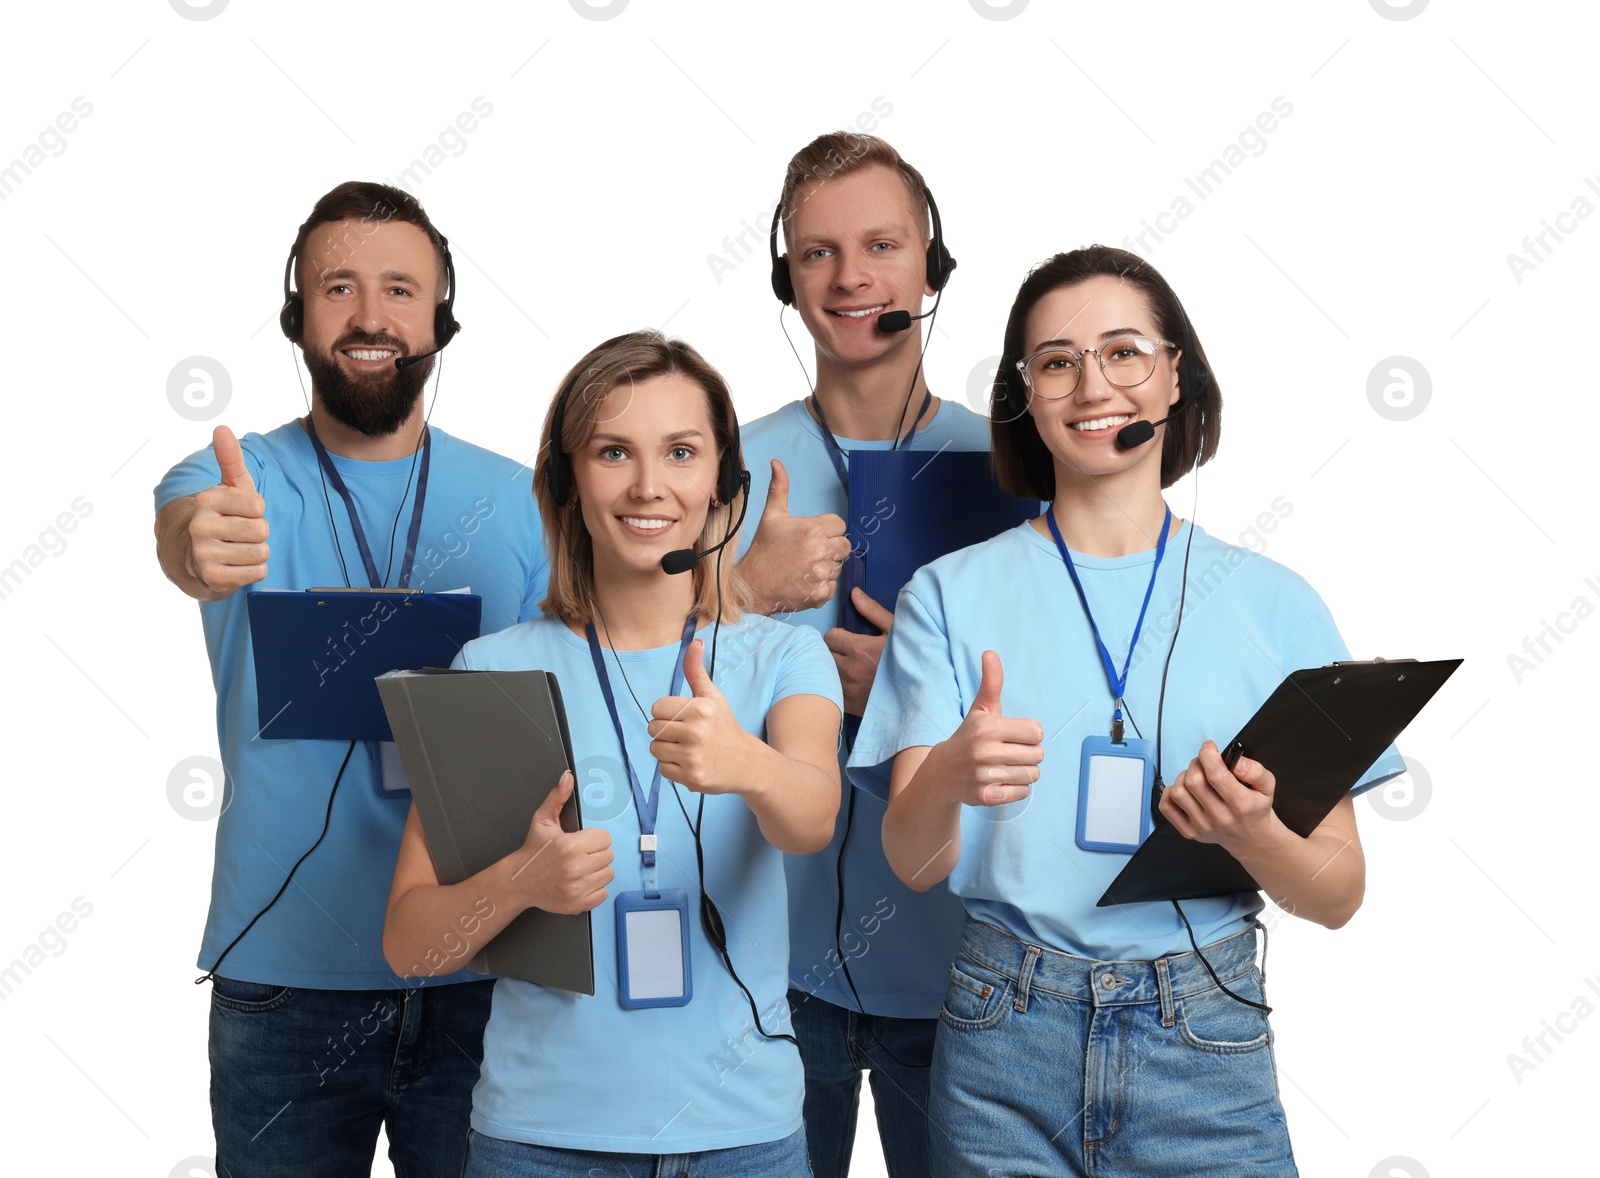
column 370, row 204
column 1022, row 462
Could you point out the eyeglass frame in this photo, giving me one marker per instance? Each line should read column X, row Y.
column 1078, row 355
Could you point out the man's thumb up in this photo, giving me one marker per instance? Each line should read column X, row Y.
column 777, row 492
column 230, row 459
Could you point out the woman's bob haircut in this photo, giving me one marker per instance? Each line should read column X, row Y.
column 1023, row 465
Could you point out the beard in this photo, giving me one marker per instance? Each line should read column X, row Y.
column 376, row 405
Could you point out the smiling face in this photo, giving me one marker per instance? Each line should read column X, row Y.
column 647, row 474
column 856, row 249
column 1080, row 429
column 369, row 295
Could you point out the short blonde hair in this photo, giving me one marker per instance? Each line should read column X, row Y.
column 621, row 361
column 839, row 153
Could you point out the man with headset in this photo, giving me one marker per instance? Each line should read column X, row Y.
column 314, row 1041
column 868, row 957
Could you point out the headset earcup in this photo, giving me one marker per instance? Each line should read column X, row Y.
column 940, row 264
column 781, row 285
column 731, row 476
column 292, row 318
column 444, row 325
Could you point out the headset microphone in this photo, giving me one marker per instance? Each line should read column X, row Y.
column 403, row 362
column 893, row 321
column 1136, row 434
column 681, row 560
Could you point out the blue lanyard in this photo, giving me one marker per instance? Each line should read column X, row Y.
column 645, row 805
column 1118, row 682
column 838, row 455
column 332, row 471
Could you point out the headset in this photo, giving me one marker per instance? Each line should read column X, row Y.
column 1193, row 377
column 940, row 262
column 731, row 475
column 292, row 318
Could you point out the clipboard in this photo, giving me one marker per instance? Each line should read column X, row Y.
column 317, row 653
column 910, row 507
column 1318, row 732
column 482, row 750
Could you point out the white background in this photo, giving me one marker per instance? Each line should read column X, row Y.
column 1375, row 222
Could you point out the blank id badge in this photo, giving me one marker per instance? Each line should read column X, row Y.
column 1114, row 780
column 653, row 949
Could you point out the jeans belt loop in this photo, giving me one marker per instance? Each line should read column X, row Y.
column 1164, row 986
column 1025, row 978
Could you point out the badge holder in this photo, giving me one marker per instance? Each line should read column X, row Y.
column 652, row 925
column 1114, row 779
column 653, row 949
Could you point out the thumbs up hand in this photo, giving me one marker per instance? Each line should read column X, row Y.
column 228, row 527
column 794, row 561
column 992, row 758
column 559, row 870
column 697, row 741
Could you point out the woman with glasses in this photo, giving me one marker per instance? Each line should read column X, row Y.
column 682, row 1057
column 1031, row 688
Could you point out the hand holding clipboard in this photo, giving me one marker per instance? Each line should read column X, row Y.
column 1318, row 732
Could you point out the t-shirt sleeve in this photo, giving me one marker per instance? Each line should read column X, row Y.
column 1316, row 642
column 199, row 471
column 915, row 698
column 806, row 667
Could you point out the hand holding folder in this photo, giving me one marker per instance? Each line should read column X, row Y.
column 489, row 758
column 1318, row 733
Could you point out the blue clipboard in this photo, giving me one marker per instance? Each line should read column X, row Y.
column 910, row 507
column 317, row 653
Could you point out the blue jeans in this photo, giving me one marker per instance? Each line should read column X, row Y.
column 302, row 1079
column 1051, row 1064
column 490, row 1157
column 837, row 1044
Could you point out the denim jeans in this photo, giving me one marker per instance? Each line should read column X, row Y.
column 1050, row 1064
column 837, row 1044
column 302, row 1079
column 490, row 1157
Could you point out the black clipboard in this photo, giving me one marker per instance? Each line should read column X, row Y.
column 1318, row 733
column 317, row 653
column 910, row 507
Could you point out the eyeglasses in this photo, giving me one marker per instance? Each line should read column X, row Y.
column 1053, row 372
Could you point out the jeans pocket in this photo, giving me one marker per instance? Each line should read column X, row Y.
column 247, row 997
column 976, row 999
column 1210, row 1020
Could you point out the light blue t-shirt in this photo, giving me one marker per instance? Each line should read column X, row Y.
column 573, row 1071
column 480, row 531
column 898, row 943
column 1247, row 622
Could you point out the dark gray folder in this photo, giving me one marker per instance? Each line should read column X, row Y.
column 1318, row 733
column 482, row 750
